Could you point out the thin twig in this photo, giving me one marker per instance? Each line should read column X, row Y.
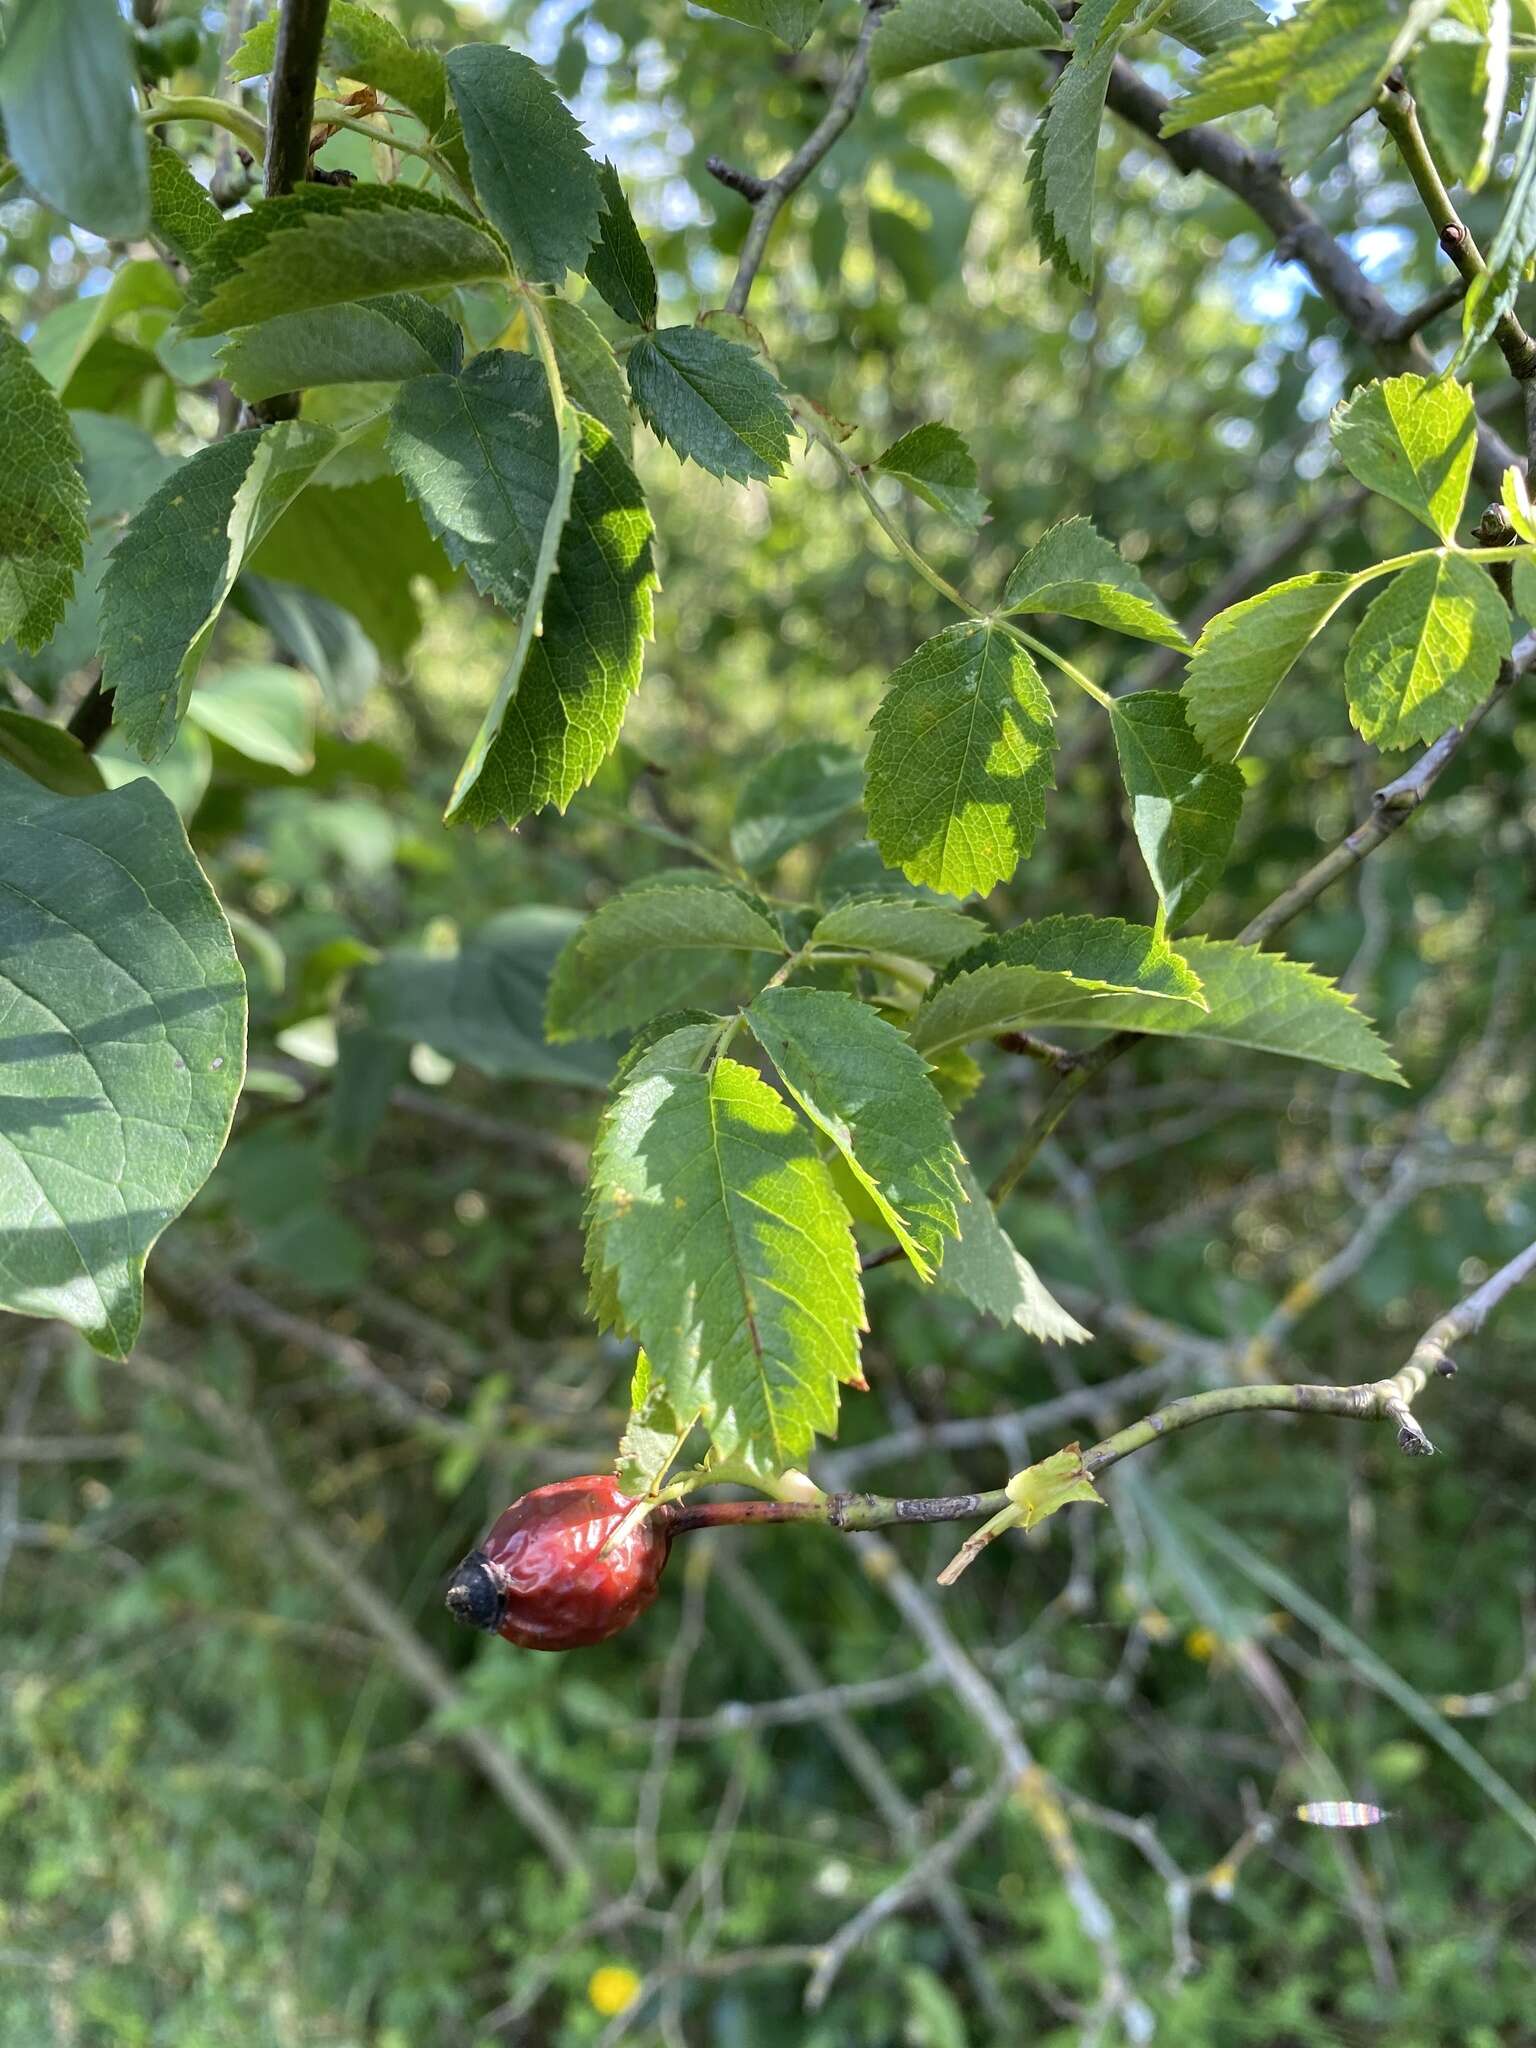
column 771, row 193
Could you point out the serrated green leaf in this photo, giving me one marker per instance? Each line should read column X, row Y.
column 920, row 32
column 1493, row 291
column 712, row 402
column 177, row 561
column 929, row 933
column 67, row 105
column 860, row 1083
column 264, row 710
column 556, row 715
column 1053, row 971
column 362, row 546
column 935, row 462
column 47, row 754
column 181, row 215
column 485, row 1004
column 1412, row 439
column 1072, row 569
column 1184, row 806
column 790, row 20
column 635, row 956
column 1245, row 653
column 362, row 45
column 42, row 501
column 1515, row 497
column 1207, row 26
column 327, row 245
column 988, row 1270
column 376, row 341
column 683, row 1040
column 1318, row 69
column 529, row 160
column 589, row 370
column 1064, row 147
column 619, row 266
column 961, row 760
column 481, row 454
column 719, row 1237
column 1426, row 652
column 792, row 796
column 1259, row 1000
column 125, row 1020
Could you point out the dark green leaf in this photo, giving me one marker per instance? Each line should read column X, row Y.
column 556, row 715
column 376, row 341
column 590, row 370
column 326, row 245
column 619, row 265
column 42, row 501
column 900, row 927
column 935, row 462
column 712, row 401
column 920, row 32
column 181, row 215
column 1063, row 150
column 532, row 173
column 47, row 754
column 988, row 1270
column 790, row 20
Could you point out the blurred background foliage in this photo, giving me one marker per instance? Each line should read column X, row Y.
column 241, row 1804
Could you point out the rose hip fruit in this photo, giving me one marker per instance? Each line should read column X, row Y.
column 541, row 1579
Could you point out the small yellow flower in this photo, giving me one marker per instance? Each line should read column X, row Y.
column 1202, row 1644
column 612, row 1988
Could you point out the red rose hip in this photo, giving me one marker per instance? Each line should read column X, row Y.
column 541, row 1579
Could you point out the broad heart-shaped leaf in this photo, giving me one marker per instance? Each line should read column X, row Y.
column 935, row 462
column 124, row 1047
column 860, row 1083
column 177, row 561
column 1259, row 1000
column 961, row 760
column 556, row 715
column 376, row 341
column 790, row 20
column 529, row 160
column 988, row 1270
column 923, row 32
column 1413, row 441
column 795, row 794
column 1063, row 150
column 589, row 370
column 1073, row 570
column 481, row 454
column 42, row 501
column 1245, row 653
column 717, row 1235
column 485, row 1004
column 712, row 401
column 1426, row 652
column 66, row 104
column 1051, row 972
column 899, row 926
column 619, row 266
column 326, row 245
column 181, row 215
column 1184, row 806
column 644, row 950
column 264, row 710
